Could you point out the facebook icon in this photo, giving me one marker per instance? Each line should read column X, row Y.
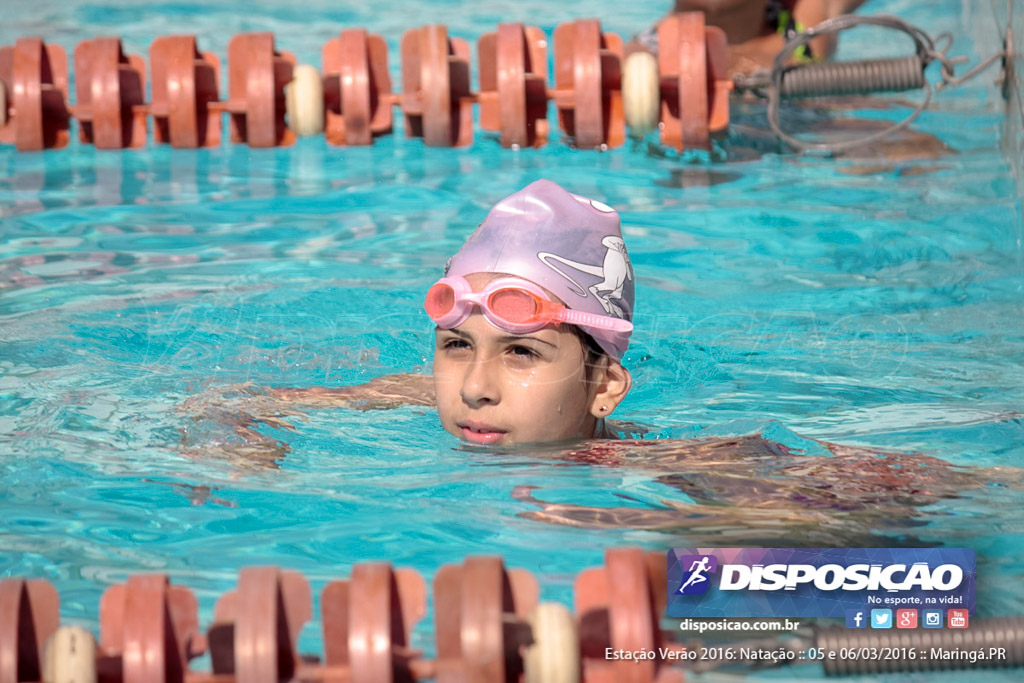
column 855, row 618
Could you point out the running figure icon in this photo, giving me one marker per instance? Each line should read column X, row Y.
column 697, row 569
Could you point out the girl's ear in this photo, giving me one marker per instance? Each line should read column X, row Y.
column 612, row 384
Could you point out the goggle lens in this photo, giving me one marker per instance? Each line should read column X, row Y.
column 440, row 300
column 517, row 306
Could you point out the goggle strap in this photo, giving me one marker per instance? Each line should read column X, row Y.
column 599, row 322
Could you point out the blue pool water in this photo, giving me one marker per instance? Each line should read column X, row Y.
column 858, row 301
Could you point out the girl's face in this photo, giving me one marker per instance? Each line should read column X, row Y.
column 494, row 387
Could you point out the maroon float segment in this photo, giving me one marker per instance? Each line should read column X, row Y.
column 149, row 630
column 257, row 75
column 618, row 606
column 36, row 78
column 588, row 84
column 110, row 89
column 513, row 85
column 482, row 627
column 258, row 626
column 368, row 622
column 29, row 615
column 695, row 86
column 184, row 84
column 436, row 97
column 357, row 88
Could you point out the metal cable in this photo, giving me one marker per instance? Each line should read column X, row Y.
column 849, row 77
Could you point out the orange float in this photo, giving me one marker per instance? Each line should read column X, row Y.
column 257, row 74
column 619, row 606
column 368, row 622
column 588, row 88
column 36, row 78
column 481, row 628
column 152, row 627
column 184, row 85
column 110, row 88
column 513, row 81
column 436, row 98
column 256, row 626
column 271, row 100
column 29, row 615
column 357, row 88
column 695, row 86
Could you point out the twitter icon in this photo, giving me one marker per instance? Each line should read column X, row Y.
column 881, row 618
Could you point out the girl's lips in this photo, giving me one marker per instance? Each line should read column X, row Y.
column 483, row 434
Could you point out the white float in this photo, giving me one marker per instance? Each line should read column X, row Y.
column 70, row 656
column 554, row 656
column 304, row 101
column 641, row 92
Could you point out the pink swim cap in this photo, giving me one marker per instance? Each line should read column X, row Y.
column 570, row 245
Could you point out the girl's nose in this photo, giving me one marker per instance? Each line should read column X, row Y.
column 480, row 384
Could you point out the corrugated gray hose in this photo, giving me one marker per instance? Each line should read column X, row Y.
column 848, row 78
column 854, row 78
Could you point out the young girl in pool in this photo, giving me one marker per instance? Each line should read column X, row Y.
column 533, row 315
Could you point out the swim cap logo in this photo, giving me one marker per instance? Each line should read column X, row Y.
column 695, row 579
column 614, row 271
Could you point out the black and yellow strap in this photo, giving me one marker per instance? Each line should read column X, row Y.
column 779, row 15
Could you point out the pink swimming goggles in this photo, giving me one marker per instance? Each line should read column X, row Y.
column 510, row 304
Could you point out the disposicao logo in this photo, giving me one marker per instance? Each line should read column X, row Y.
column 695, row 581
column 817, row 582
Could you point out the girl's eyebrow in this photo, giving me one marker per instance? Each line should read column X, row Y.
column 514, row 338
column 457, row 333
column 506, row 339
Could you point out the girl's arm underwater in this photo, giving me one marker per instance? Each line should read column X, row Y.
column 749, row 490
column 225, row 421
column 380, row 393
